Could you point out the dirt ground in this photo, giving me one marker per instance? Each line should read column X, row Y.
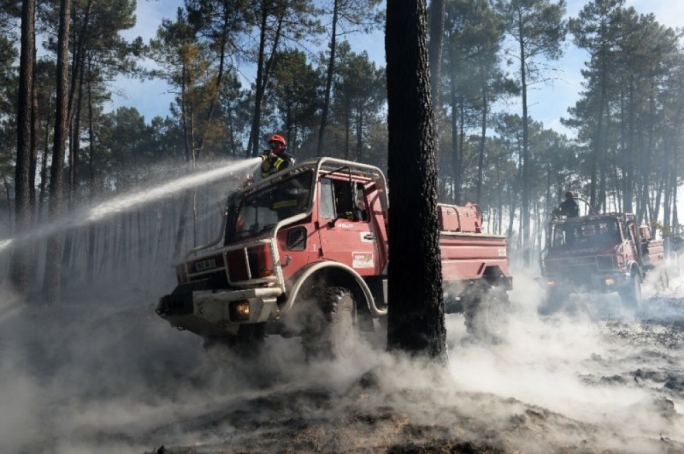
column 111, row 377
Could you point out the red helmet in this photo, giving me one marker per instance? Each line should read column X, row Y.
column 277, row 138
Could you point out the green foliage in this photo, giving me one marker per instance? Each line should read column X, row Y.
column 628, row 121
column 627, row 117
column 297, row 87
column 359, row 98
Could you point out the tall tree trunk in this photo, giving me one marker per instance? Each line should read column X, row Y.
column 416, row 318
column 646, row 159
column 328, row 79
column 483, row 138
column 22, row 207
column 598, row 149
column 526, row 164
column 52, row 277
column 44, row 167
column 455, row 158
column 219, row 78
column 90, row 260
column 263, row 71
column 628, row 171
column 35, row 132
column 74, row 153
column 359, row 134
column 347, row 131
column 461, row 147
column 675, row 158
column 435, row 50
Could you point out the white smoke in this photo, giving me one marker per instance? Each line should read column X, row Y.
column 102, row 373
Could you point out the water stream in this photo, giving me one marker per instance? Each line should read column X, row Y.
column 127, row 202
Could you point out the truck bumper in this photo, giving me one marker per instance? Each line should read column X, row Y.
column 221, row 313
column 602, row 283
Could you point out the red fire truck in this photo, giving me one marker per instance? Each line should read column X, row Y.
column 304, row 253
column 601, row 253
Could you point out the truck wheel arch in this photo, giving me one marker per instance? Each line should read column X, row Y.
column 494, row 276
column 335, row 275
column 492, row 273
column 634, row 268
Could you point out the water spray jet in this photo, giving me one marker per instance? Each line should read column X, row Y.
column 126, row 202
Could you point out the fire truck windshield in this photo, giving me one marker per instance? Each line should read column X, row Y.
column 262, row 210
column 591, row 233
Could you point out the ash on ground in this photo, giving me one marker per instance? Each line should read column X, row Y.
column 102, row 376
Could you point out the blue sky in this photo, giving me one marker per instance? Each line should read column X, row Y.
column 548, row 102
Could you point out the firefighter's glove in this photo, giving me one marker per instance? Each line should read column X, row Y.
column 266, row 164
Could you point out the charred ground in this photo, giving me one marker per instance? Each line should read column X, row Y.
column 92, row 377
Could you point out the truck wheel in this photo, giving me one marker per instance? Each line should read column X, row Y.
column 555, row 301
column 333, row 333
column 663, row 280
column 247, row 343
column 486, row 313
column 631, row 294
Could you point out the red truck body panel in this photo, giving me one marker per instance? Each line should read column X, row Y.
column 266, row 269
column 465, row 256
column 598, row 253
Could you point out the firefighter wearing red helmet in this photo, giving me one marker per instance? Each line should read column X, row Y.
column 275, row 158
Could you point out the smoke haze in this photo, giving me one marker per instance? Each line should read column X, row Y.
column 102, row 373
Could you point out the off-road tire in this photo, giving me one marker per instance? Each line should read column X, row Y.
column 554, row 302
column 663, row 280
column 486, row 312
column 247, row 343
column 631, row 294
column 330, row 332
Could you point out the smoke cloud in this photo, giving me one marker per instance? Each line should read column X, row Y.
column 102, row 373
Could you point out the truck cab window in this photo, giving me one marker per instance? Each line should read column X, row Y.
column 341, row 199
column 327, row 208
column 360, row 203
column 262, row 210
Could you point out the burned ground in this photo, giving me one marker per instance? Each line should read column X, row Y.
column 92, row 377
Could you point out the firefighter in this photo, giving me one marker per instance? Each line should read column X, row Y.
column 610, row 232
column 341, row 207
column 568, row 207
column 275, row 158
column 345, row 208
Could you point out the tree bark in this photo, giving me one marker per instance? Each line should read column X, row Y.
column 52, row 278
column 263, row 71
column 416, row 317
column 20, row 258
column 328, row 80
column 435, row 50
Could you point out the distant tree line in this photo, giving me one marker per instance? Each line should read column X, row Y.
column 62, row 147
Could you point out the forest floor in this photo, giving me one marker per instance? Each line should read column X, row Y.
column 106, row 375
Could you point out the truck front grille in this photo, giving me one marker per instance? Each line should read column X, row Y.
column 246, row 265
column 175, row 304
column 581, row 265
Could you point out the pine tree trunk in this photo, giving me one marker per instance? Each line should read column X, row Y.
column 416, row 317
column 52, row 279
column 20, row 256
column 328, row 79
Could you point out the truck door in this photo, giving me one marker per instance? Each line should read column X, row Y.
column 345, row 230
column 635, row 242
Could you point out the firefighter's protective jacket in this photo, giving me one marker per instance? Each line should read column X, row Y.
column 272, row 163
column 568, row 208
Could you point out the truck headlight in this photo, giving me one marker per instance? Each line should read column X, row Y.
column 550, row 283
column 239, row 311
column 610, row 281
